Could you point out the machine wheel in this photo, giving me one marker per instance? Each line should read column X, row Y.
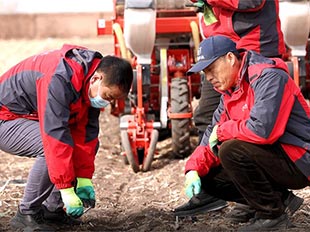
column 180, row 127
column 147, row 162
column 129, row 154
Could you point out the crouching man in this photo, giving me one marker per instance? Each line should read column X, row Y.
column 258, row 146
column 49, row 109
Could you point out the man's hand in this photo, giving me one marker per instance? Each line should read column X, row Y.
column 86, row 192
column 192, row 183
column 213, row 140
column 73, row 204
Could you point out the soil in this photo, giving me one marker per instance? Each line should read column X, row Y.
column 125, row 201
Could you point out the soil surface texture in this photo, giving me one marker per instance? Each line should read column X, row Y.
column 125, row 201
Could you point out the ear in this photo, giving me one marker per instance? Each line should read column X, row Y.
column 96, row 76
column 231, row 58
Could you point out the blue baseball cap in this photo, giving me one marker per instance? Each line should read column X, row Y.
column 210, row 50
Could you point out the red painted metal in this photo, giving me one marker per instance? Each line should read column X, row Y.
column 168, row 22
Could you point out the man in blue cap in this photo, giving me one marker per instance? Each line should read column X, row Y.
column 258, row 146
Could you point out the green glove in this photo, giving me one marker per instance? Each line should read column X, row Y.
column 199, row 3
column 86, row 192
column 208, row 15
column 192, row 183
column 213, row 140
column 73, row 204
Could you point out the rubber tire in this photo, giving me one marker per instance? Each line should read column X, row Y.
column 129, row 154
column 147, row 162
column 180, row 127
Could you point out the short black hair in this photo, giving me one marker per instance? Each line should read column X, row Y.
column 117, row 71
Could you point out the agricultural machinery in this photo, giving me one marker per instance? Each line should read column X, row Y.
column 295, row 25
column 160, row 39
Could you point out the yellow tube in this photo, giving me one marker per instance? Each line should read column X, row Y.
column 196, row 37
column 120, row 38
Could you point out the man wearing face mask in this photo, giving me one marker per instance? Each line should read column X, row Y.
column 49, row 109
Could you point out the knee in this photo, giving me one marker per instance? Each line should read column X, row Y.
column 230, row 152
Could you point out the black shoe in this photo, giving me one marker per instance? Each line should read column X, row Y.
column 292, row 203
column 59, row 217
column 279, row 223
column 243, row 213
column 200, row 203
column 29, row 222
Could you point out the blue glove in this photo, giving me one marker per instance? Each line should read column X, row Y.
column 192, row 183
column 86, row 192
column 72, row 203
column 213, row 140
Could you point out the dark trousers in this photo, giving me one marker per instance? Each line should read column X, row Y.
column 22, row 137
column 257, row 175
column 209, row 100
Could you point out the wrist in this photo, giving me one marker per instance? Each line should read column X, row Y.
column 67, row 191
column 216, row 128
column 82, row 182
column 192, row 174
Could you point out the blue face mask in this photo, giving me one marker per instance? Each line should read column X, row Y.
column 98, row 102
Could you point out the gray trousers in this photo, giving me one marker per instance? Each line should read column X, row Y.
column 22, row 137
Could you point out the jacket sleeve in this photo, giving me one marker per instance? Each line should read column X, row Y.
column 86, row 143
column 238, row 5
column 54, row 97
column 218, row 116
column 201, row 160
column 69, row 141
column 274, row 95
